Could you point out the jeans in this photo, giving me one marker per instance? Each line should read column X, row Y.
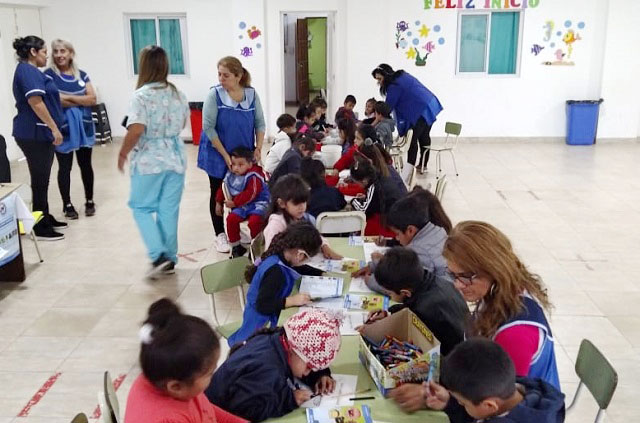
column 218, row 221
column 39, row 160
column 155, row 201
column 420, row 137
column 65, row 163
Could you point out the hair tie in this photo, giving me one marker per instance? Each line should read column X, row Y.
column 145, row 333
column 368, row 142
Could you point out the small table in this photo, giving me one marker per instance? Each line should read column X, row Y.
column 347, row 362
column 12, row 271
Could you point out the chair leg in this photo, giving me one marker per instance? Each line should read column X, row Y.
column 424, row 153
column 575, row 397
column 453, row 158
column 600, row 416
column 241, row 296
column 212, row 304
column 35, row 242
column 438, row 165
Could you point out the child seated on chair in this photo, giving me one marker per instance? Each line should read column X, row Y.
column 302, row 147
column 260, row 378
column 384, row 123
column 249, row 198
column 479, row 384
column 322, row 197
column 273, row 279
column 307, row 115
column 178, row 356
column 282, row 142
column 369, row 111
column 319, row 104
column 346, row 111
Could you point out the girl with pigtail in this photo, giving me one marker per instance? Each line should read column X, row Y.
column 272, row 280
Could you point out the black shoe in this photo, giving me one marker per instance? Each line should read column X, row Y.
column 48, row 235
column 158, row 267
column 238, row 251
column 70, row 212
column 89, row 208
column 56, row 225
column 170, row 269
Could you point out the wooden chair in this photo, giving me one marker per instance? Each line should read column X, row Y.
column 451, row 129
column 597, row 374
column 341, row 222
column 220, row 276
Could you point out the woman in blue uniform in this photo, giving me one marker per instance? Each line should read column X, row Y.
column 77, row 96
column 37, row 126
column 232, row 117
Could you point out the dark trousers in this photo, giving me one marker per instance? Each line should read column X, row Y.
column 39, row 159
column 218, row 222
column 420, row 138
column 5, row 169
column 65, row 163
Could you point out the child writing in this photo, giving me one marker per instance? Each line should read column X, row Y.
column 383, row 123
column 306, row 119
column 481, row 386
column 363, row 132
column 249, row 198
column 346, row 111
column 347, row 133
column 320, row 106
column 282, row 142
column 289, row 198
column 434, row 300
column 272, row 281
column 303, row 146
column 419, row 223
column 322, row 197
column 178, row 356
column 260, row 378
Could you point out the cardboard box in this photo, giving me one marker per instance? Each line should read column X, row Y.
column 405, row 326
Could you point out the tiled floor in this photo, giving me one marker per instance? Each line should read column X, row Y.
column 573, row 214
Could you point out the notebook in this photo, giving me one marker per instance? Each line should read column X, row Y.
column 319, row 287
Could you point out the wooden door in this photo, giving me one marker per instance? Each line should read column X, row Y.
column 302, row 61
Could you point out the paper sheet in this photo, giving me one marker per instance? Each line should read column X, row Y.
column 351, row 321
column 321, row 286
column 346, row 265
column 366, row 302
column 359, row 285
column 345, row 389
column 371, row 247
column 329, row 303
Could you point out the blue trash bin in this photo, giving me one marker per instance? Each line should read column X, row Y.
column 582, row 121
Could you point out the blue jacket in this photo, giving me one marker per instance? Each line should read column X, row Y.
column 256, row 382
column 542, row 403
column 410, row 100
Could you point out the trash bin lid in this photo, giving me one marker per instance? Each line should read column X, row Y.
column 196, row 105
column 585, row 101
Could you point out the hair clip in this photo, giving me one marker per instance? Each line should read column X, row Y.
column 368, row 142
column 145, row 333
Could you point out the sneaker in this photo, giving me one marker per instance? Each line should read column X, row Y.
column 158, row 266
column 56, row 225
column 49, row 235
column 89, row 208
column 238, row 251
column 170, row 269
column 222, row 243
column 70, row 212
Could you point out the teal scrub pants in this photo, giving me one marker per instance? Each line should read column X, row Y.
column 155, row 201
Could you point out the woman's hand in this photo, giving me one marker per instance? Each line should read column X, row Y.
column 297, row 300
column 328, row 253
column 410, row 397
column 57, row 136
column 437, row 396
column 325, row 385
column 122, row 158
column 257, row 154
column 227, row 159
column 302, row 396
column 219, row 210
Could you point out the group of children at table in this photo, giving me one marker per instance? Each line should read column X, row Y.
column 271, row 370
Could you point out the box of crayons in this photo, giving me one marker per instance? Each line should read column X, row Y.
column 399, row 349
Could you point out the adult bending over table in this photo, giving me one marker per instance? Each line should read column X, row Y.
column 414, row 106
column 510, row 303
column 232, row 117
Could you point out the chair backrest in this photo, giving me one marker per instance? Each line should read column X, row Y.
column 440, row 186
column 595, row 371
column 453, row 129
column 80, row 418
column 217, row 277
column 257, row 247
column 225, row 192
column 341, row 222
column 111, row 411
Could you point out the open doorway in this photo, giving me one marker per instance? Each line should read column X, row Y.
column 306, row 51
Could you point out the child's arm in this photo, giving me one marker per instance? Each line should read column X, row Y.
column 223, row 416
column 251, row 191
column 270, row 300
column 275, row 225
column 219, row 195
column 362, row 204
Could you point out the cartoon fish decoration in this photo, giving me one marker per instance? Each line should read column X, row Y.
column 429, row 47
column 571, row 37
column 536, row 49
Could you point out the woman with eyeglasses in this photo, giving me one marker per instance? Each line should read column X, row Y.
column 510, row 304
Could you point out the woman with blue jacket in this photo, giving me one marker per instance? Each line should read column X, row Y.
column 232, row 117
column 414, row 107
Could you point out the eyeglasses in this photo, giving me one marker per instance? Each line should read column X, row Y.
column 465, row 278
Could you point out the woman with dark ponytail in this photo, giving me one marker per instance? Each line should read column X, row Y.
column 178, row 356
column 37, row 126
column 273, row 278
column 232, row 117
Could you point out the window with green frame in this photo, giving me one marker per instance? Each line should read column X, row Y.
column 489, row 43
column 167, row 32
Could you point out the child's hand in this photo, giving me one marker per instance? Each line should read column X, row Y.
column 360, row 195
column 437, row 395
column 297, row 300
column 302, row 396
column 376, row 256
column 219, row 210
column 410, row 397
column 229, row 203
column 376, row 315
column 381, row 241
column 329, row 253
column 365, row 271
column 325, row 385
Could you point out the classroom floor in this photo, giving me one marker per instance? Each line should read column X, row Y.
column 573, row 214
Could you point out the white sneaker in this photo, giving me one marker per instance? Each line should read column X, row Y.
column 222, row 243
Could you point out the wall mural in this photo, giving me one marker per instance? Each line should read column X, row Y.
column 418, row 43
column 557, row 43
column 252, row 36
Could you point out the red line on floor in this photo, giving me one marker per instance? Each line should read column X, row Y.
column 38, row 395
column 116, row 384
column 186, row 256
